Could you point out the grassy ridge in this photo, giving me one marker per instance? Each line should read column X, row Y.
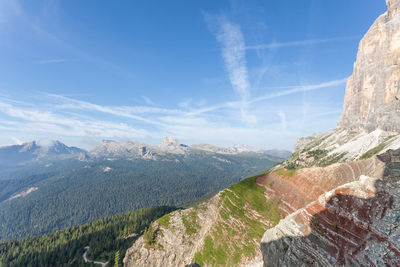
column 245, row 214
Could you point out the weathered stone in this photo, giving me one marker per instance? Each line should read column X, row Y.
column 173, row 246
column 355, row 224
column 372, row 98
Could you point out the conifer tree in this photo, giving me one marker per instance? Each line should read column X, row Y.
column 116, row 264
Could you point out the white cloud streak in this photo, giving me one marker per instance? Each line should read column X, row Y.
column 232, row 42
column 299, row 89
column 275, row 45
column 148, row 101
column 56, row 60
column 58, row 115
column 293, row 90
column 43, row 121
column 231, row 38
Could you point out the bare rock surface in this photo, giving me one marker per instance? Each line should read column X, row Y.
column 372, row 98
column 341, row 145
column 298, row 189
column 354, row 224
column 173, row 246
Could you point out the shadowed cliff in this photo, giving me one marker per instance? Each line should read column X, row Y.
column 355, row 224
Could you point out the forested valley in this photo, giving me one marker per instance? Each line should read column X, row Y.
column 104, row 238
column 66, row 197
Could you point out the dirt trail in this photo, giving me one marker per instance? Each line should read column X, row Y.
column 103, row 264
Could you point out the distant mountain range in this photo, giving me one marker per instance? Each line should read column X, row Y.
column 48, row 150
column 18, row 155
column 46, row 185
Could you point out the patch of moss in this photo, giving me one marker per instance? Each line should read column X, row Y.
column 373, row 151
column 190, row 223
column 206, row 253
column 164, row 220
column 317, row 154
column 316, row 142
column 335, row 158
column 285, row 172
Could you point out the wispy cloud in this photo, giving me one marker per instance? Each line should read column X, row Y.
column 230, row 36
column 58, row 116
column 55, row 60
column 299, row 89
column 275, row 45
column 40, row 120
column 280, row 93
column 148, row 101
column 282, row 115
column 17, row 141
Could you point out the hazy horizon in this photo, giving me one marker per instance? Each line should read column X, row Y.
column 232, row 72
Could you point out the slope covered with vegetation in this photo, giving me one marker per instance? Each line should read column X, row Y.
column 225, row 230
column 244, row 215
column 104, row 238
column 103, row 188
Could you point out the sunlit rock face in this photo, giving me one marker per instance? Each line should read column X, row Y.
column 372, row 98
column 354, row 224
column 347, row 214
column 306, row 185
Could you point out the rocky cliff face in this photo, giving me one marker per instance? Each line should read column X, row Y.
column 296, row 189
column 372, row 98
column 347, row 214
column 354, row 224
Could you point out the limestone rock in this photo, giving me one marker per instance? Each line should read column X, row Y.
column 372, row 98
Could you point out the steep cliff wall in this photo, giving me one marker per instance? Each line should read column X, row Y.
column 347, row 214
column 372, row 98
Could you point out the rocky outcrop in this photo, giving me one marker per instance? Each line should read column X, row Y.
column 172, row 244
column 223, row 231
column 296, row 189
column 341, row 145
column 372, row 98
column 355, row 224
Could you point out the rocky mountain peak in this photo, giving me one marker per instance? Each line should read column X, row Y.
column 169, row 141
column 372, row 98
column 27, row 146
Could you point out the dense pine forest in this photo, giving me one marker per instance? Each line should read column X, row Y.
column 104, row 237
column 67, row 197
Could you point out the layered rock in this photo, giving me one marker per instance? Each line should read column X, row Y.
column 341, row 145
column 372, row 98
column 296, row 189
column 355, row 224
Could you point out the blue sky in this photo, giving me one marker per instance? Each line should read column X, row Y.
column 261, row 73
